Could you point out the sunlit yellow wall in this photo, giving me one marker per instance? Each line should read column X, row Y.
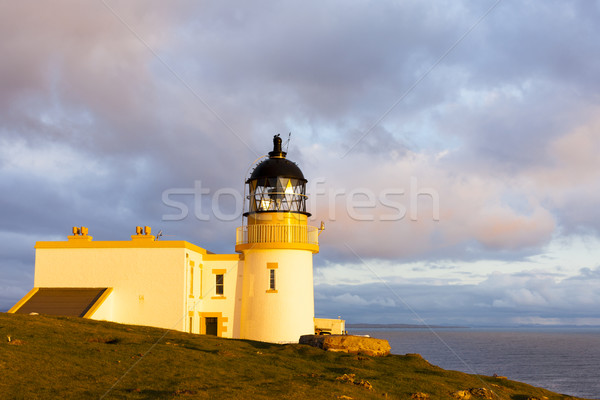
column 148, row 283
column 205, row 302
column 191, row 288
column 288, row 313
column 172, row 285
column 105, row 311
column 329, row 325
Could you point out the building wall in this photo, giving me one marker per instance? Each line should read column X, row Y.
column 330, row 326
column 283, row 314
column 172, row 285
column 148, row 283
column 203, row 301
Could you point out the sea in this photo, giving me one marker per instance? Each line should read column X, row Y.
column 563, row 360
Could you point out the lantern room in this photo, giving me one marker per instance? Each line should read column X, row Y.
column 276, row 185
column 275, row 207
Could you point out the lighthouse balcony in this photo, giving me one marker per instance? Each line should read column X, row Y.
column 273, row 236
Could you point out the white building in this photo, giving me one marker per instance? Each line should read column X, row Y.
column 264, row 292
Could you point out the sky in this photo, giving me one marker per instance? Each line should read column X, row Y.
column 450, row 146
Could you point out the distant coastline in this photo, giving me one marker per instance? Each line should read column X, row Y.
column 402, row 326
column 541, row 327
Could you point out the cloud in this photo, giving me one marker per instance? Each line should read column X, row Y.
column 348, row 299
column 502, row 299
column 501, row 134
column 415, row 206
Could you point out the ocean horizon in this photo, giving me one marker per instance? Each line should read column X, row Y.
column 563, row 359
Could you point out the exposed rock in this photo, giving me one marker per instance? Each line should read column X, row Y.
column 366, row 384
column 351, row 378
column 348, row 344
column 419, row 396
column 14, row 342
column 346, row 378
column 481, row 393
column 461, row 394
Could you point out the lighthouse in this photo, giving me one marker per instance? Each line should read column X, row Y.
column 262, row 292
column 277, row 246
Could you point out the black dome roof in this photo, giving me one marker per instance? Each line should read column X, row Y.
column 277, row 165
column 274, row 167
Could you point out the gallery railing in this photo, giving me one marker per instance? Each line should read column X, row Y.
column 267, row 233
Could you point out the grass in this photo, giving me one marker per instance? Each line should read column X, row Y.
column 61, row 357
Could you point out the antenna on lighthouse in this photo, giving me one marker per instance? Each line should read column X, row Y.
column 287, row 143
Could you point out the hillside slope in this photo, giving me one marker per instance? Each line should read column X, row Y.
column 60, row 357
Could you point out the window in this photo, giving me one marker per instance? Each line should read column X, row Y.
column 219, row 274
column 271, row 279
column 219, row 284
column 272, row 267
column 191, row 324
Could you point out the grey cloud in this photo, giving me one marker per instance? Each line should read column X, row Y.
column 82, row 81
column 500, row 300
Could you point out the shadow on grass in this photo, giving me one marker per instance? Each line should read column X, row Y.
column 202, row 348
column 112, row 340
column 340, row 370
column 260, row 345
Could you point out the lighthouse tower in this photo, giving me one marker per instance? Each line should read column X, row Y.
column 277, row 245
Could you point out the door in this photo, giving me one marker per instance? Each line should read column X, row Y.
column 211, row 326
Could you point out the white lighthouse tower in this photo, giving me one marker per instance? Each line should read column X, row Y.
column 277, row 246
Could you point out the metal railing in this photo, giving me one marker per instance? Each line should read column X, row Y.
column 277, row 234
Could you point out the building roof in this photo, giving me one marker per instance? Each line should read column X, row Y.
column 71, row 302
column 277, row 165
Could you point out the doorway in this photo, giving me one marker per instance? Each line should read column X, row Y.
column 211, row 325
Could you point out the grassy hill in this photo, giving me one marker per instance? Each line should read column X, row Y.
column 60, row 357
